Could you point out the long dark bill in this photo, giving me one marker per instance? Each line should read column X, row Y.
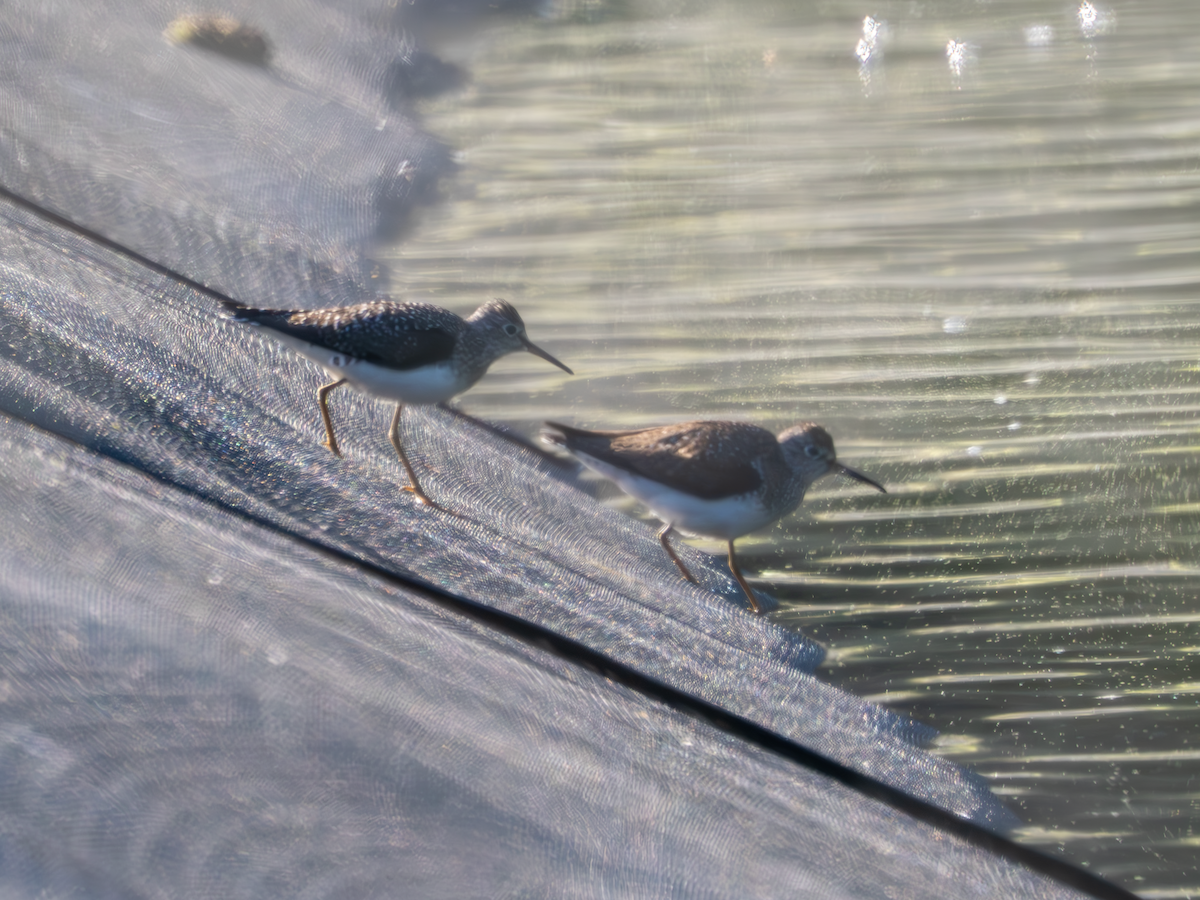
column 859, row 476
column 538, row 351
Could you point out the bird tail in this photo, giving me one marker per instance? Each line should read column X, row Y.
column 235, row 311
column 238, row 313
column 555, row 434
column 570, row 438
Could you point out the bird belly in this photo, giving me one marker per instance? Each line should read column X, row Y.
column 427, row 384
column 726, row 518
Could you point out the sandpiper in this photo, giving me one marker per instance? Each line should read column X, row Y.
column 711, row 479
column 412, row 353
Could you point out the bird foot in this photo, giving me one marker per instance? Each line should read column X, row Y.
column 423, row 499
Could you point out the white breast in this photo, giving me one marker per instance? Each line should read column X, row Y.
column 428, row 384
column 727, row 518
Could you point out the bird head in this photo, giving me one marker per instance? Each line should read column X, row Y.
column 809, row 452
column 502, row 323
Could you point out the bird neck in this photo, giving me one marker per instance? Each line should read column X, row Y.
column 472, row 354
column 785, row 485
column 787, row 495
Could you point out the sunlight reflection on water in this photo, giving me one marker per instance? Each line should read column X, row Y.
column 760, row 215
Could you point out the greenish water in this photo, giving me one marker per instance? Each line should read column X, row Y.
column 977, row 269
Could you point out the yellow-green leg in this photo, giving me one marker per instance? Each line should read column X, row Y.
column 415, row 486
column 737, row 573
column 322, row 395
column 665, row 537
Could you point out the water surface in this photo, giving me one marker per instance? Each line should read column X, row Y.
column 973, row 257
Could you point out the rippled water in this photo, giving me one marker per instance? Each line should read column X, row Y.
column 974, row 259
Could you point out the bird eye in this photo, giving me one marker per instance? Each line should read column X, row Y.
column 812, row 451
column 510, row 329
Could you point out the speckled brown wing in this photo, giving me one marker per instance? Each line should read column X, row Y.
column 396, row 335
column 692, row 456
